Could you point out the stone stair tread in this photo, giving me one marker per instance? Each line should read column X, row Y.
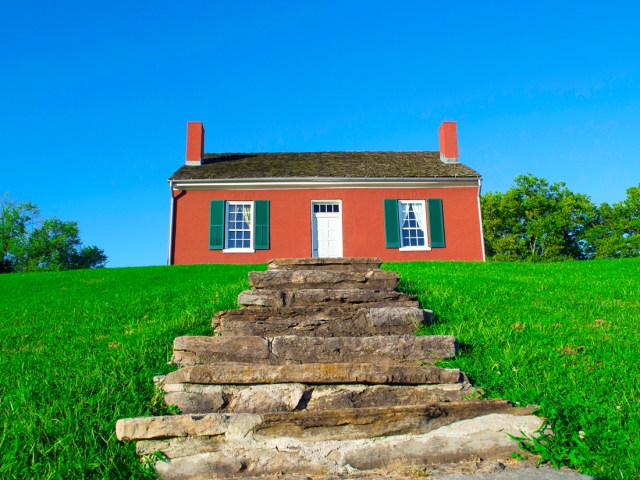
column 359, row 264
column 321, row 321
column 480, row 437
column 294, row 349
column 237, row 373
column 325, row 296
column 287, row 397
column 324, row 279
column 323, row 425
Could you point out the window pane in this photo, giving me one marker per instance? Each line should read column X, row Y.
column 412, row 223
column 238, row 225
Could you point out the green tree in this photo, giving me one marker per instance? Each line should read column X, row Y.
column 30, row 244
column 537, row 221
column 616, row 234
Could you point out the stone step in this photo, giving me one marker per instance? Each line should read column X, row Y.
column 315, row 374
column 325, row 297
column 325, row 279
column 352, row 264
column 320, row 321
column 321, row 425
column 293, row 349
column 211, row 457
column 288, row 397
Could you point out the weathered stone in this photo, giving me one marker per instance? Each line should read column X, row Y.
column 194, row 398
column 297, row 279
column 369, row 298
column 326, row 397
column 180, row 446
column 352, row 264
column 399, row 317
column 379, row 348
column 287, row 397
column 329, row 321
column 241, row 461
column 484, row 436
column 353, row 423
column 314, row 373
column 289, row 349
column 210, row 425
column 321, row 425
column 261, row 298
column 195, row 350
column 325, row 297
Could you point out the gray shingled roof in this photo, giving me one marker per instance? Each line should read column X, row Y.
column 221, row 166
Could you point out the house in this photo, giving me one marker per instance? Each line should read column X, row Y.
column 253, row 207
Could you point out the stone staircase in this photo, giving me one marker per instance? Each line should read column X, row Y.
column 320, row 374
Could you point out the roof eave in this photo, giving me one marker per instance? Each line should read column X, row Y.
column 311, row 182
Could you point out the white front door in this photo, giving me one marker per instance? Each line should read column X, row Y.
column 326, row 228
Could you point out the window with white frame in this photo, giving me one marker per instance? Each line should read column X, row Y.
column 413, row 224
column 239, row 226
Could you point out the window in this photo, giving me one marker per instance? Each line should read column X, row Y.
column 413, row 224
column 326, row 208
column 413, row 231
column 239, row 226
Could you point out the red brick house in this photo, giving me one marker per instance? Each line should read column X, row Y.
column 253, row 207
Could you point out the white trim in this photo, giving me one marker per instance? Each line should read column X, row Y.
column 426, row 245
column 484, row 256
column 228, row 204
column 171, row 209
column 298, row 184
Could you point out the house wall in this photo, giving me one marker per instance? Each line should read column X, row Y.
column 362, row 223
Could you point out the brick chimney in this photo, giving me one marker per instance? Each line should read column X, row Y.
column 195, row 143
column 448, row 142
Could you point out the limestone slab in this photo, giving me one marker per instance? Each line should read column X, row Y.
column 292, row 349
column 288, row 397
column 314, row 373
column 353, row 264
column 327, row 397
column 206, row 349
column 319, row 321
column 379, row 348
column 325, row 297
column 484, row 436
column 321, row 425
column 194, row 398
column 324, row 279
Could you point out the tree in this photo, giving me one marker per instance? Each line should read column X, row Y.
column 616, row 233
column 30, row 244
column 537, row 221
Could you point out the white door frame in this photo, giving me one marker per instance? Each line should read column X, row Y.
column 314, row 225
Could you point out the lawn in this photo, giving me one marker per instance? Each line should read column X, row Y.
column 78, row 351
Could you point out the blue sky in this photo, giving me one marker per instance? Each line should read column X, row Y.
column 95, row 96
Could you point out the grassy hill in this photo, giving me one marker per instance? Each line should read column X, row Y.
column 78, row 351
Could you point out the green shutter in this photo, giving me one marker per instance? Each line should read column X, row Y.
column 436, row 223
column 261, row 225
column 216, row 225
column 391, row 223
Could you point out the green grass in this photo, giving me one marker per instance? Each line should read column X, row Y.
column 78, row 351
column 562, row 335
